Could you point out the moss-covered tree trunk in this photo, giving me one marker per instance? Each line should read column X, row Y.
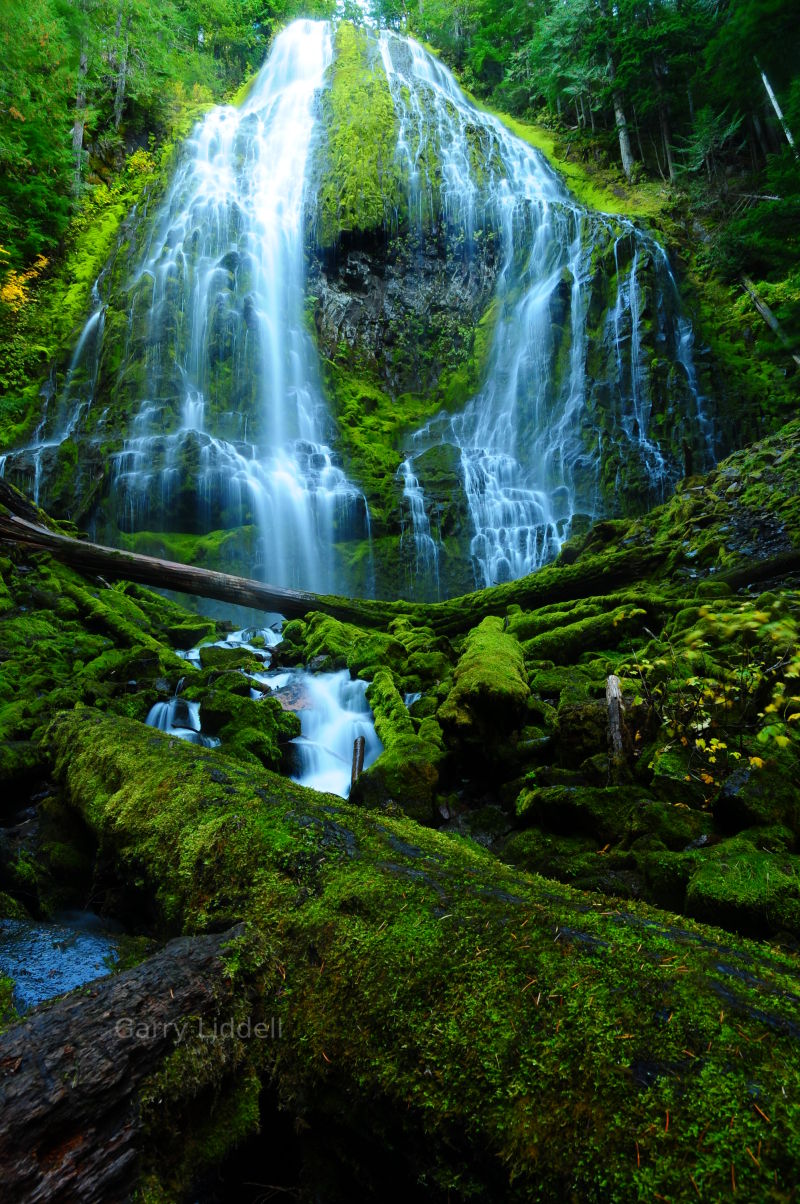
column 502, row 1035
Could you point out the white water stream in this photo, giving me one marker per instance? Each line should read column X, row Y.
column 332, row 708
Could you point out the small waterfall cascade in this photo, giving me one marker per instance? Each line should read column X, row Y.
column 332, row 708
column 179, row 717
column 531, row 443
column 426, row 548
column 62, row 412
column 335, row 714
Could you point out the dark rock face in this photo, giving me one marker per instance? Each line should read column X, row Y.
column 405, row 307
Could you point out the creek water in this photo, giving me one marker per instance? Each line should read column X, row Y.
column 47, row 959
column 332, row 709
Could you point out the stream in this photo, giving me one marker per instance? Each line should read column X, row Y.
column 332, row 708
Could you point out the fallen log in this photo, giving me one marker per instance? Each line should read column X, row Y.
column 117, row 564
column 597, row 575
column 768, row 316
column 71, row 1123
column 497, row 1035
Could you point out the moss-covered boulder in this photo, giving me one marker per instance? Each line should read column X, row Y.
column 490, row 687
column 336, row 645
column 64, row 640
column 254, row 730
column 407, row 771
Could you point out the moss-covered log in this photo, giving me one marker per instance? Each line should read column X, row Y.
column 503, row 1036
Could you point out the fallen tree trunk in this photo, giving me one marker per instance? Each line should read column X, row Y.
column 769, row 317
column 117, row 564
column 492, row 1033
column 71, row 1125
column 555, row 584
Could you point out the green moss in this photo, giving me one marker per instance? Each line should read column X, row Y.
column 223, row 550
column 747, row 887
column 346, row 646
column 255, row 731
column 565, row 644
column 64, row 640
column 490, row 687
column 407, row 771
column 604, row 813
column 11, row 909
column 8, row 1012
column 527, row 1001
column 591, row 188
column 360, row 186
column 373, row 421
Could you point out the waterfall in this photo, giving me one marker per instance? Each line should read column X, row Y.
column 203, row 353
column 59, row 421
column 213, row 362
column 530, row 445
column 232, row 410
column 426, row 548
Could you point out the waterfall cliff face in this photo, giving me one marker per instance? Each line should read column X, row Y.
column 428, row 386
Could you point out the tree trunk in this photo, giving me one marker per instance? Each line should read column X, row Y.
column 122, row 73
column 625, row 150
column 25, row 525
column 769, row 317
column 666, row 137
column 80, row 117
column 778, row 111
column 70, row 1073
column 469, row 1021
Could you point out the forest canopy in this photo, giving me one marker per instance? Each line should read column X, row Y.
column 86, row 82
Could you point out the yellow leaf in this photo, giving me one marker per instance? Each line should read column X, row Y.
column 756, row 762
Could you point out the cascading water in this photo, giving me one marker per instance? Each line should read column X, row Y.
column 332, row 709
column 60, row 420
column 223, row 283
column 426, row 548
column 590, row 402
column 216, row 365
column 181, row 718
column 530, row 447
column 333, row 713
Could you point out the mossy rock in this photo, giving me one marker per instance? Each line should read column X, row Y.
column 346, row 646
column 360, row 188
column 226, row 656
column 490, row 686
column 581, row 731
column 759, row 795
column 256, row 730
column 746, row 887
column 672, row 826
column 606, row 813
column 407, row 771
column 565, row 644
